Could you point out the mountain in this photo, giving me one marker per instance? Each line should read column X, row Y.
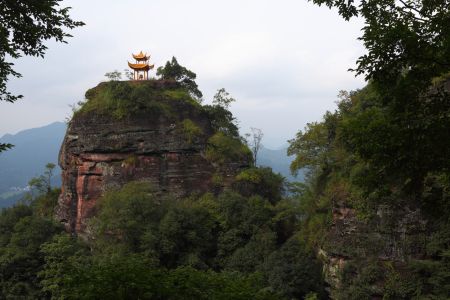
column 33, row 149
column 149, row 131
column 279, row 161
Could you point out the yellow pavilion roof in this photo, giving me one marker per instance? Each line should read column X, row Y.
column 141, row 56
column 144, row 67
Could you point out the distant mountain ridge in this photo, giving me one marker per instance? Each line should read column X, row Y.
column 35, row 147
column 279, row 161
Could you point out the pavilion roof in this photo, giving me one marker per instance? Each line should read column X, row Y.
column 141, row 56
column 144, row 67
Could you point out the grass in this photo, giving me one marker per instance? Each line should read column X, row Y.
column 122, row 99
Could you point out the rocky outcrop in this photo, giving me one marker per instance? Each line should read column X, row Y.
column 391, row 237
column 101, row 152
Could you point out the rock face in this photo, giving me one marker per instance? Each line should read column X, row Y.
column 391, row 237
column 101, row 152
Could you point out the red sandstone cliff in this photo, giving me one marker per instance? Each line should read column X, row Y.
column 101, row 151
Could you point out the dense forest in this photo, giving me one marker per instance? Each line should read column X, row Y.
column 209, row 247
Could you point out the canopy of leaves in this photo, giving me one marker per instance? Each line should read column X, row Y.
column 22, row 234
column 173, row 70
column 24, row 27
column 223, row 148
column 205, row 238
column 260, row 181
column 405, row 35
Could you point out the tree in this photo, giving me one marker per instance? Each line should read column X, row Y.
column 4, row 147
column 293, row 271
column 20, row 258
column 43, row 183
column 24, row 27
column 260, row 181
column 222, row 98
column 409, row 36
column 310, row 147
column 254, row 141
column 114, row 75
column 221, row 117
column 399, row 123
column 173, row 70
column 128, row 74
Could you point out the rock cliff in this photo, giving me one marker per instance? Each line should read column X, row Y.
column 150, row 131
column 390, row 244
column 366, row 249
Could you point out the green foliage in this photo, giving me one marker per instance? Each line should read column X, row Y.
column 367, row 154
column 122, row 99
column 222, row 98
column 406, row 143
column 149, row 247
column 4, row 147
column 44, row 204
column 8, row 218
column 43, row 183
column 20, row 258
column 222, row 120
column 123, row 214
column 173, row 70
column 399, row 123
column 223, row 148
column 260, row 181
column 191, row 130
column 309, row 147
column 401, row 37
column 128, row 277
column 293, row 270
column 188, row 237
column 217, row 180
column 224, row 285
column 218, row 235
column 114, row 75
column 25, row 28
column 64, row 256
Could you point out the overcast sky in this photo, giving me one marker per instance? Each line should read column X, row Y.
column 284, row 61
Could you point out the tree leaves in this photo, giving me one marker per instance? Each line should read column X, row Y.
column 24, row 27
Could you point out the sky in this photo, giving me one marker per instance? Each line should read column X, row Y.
column 283, row 61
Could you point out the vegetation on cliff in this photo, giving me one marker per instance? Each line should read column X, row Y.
column 123, row 99
column 376, row 202
column 370, row 157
